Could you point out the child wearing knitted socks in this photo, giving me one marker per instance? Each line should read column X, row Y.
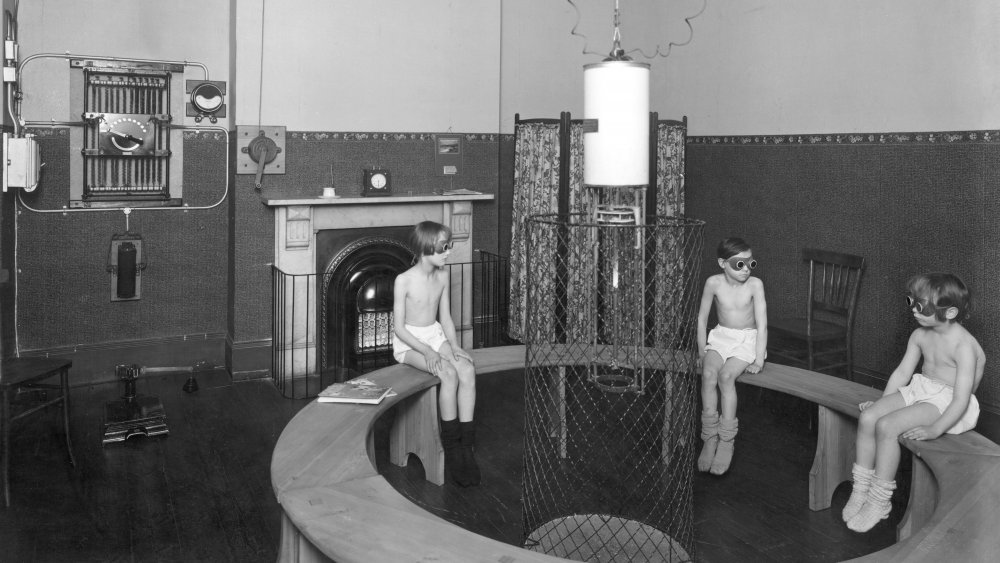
column 917, row 406
column 737, row 344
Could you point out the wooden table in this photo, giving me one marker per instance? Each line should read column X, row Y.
column 29, row 373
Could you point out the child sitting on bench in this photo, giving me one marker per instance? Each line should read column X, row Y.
column 737, row 344
column 424, row 337
column 917, row 406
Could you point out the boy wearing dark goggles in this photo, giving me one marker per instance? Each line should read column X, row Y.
column 737, row 344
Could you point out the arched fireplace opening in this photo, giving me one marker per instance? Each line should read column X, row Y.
column 356, row 319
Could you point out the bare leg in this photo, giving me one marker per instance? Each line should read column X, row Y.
column 865, row 443
column 733, row 368
column 451, row 431
column 710, row 382
column 887, row 430
column 448, row 390
column 709, row 409
column 466, row 398
column 728, row 424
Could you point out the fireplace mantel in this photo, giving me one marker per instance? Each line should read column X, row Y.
column 296, row 221
column 391, row 199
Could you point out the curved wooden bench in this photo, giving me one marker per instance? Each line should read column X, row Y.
column 335, row 504
column 955, row 489
column 337, row 507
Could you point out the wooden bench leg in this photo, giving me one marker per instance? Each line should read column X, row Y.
column 923, row 500
column 834, row 458
column 296, row 548
column 416, row 431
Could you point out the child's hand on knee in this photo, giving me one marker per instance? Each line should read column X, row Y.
column 755, row 367
column 434, row 363
column 460, row 353
column 920, row 433
column 865, row 405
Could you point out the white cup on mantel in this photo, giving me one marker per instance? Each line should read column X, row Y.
column 329, row 192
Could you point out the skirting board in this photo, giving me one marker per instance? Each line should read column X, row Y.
column 95, row 363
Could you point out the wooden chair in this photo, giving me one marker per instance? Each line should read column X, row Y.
column 27, row 374
column 822, row 340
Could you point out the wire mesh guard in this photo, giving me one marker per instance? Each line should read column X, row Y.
column 610, row 387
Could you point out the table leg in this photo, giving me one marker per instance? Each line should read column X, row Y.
column 835, row 451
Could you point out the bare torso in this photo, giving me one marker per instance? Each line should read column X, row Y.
column 423, row 295
column 939, row 350
column 734, row 304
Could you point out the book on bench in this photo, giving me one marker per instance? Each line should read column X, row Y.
column 354, row 391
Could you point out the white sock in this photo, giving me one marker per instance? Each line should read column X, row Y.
column 859, row 492
column 876, row 507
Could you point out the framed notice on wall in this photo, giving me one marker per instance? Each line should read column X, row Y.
column 448, row 152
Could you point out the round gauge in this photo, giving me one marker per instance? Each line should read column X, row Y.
column 378, row 180
column 207, row 97
column 127, row 134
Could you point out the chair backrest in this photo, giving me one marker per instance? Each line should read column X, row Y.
column 834, row 283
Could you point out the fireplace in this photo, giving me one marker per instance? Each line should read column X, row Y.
column 358, row 267
column 335, row 261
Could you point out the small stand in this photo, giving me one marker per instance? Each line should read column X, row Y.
column 133, row 414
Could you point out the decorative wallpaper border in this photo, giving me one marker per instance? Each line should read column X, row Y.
column 311, row 135
column 929, row 138
column 384, row 137
column 932, row 138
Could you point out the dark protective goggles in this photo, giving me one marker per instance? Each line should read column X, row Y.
column 740, row 263
column 923, row 306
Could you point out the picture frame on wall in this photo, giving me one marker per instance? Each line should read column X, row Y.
column 448, row 151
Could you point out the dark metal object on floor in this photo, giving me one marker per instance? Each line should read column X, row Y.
column 133, row 414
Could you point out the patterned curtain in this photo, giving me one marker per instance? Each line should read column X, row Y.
column 670, row 168
column 580, row 270
column 672, row 262
column 536, row 190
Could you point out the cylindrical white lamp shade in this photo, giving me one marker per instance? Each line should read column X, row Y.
column 616, row 94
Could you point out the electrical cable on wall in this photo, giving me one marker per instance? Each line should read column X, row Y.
column 657, row 52
column 20, row 122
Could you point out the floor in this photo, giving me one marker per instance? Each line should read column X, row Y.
column 203, row 492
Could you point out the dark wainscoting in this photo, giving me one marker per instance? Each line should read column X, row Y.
column 908, row 202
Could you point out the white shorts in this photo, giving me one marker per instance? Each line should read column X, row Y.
column 739, row 343
column 922, row 389
column 431, row 335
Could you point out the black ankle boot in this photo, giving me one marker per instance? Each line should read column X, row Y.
column 451, row 440
column 468, row 447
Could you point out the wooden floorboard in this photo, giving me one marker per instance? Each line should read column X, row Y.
column 203, row 493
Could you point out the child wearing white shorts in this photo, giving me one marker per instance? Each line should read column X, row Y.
column 740, row 343
column 923, row 389
column 431, row 335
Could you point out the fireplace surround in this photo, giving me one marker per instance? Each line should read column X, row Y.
column 314, row 237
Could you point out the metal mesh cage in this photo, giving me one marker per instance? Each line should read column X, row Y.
column 610, row 385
